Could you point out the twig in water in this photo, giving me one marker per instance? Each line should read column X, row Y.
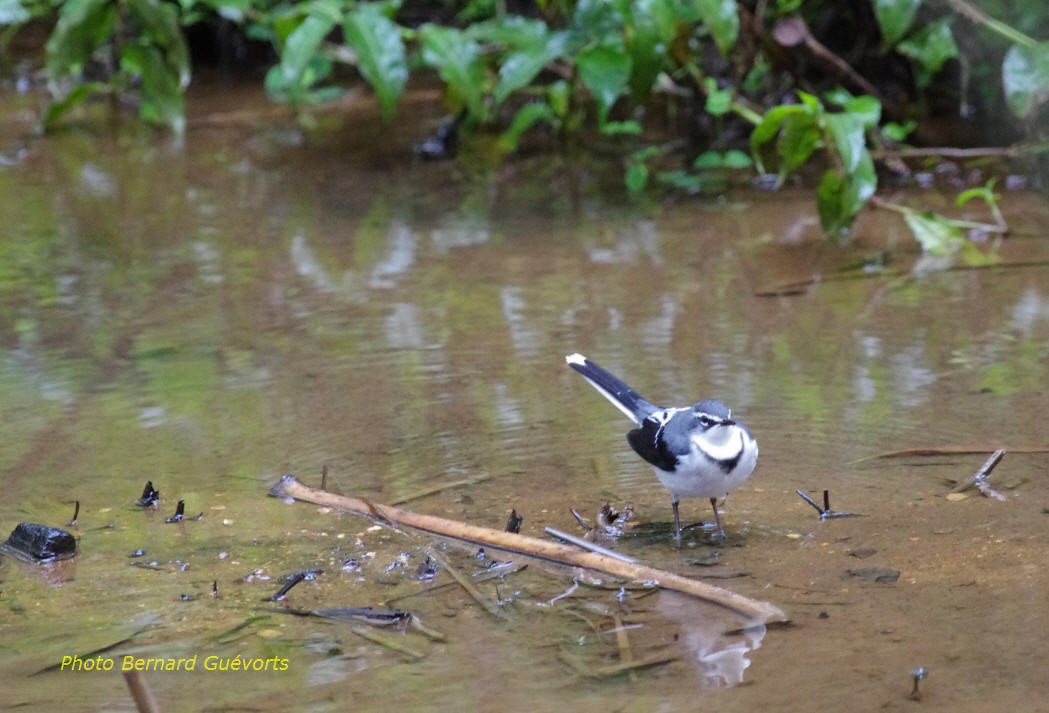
column 76, row 513
column 489, row 604
column 586, row 544
column 979, row 478
column 825, row 512
column 440, row 487
column 387, row 643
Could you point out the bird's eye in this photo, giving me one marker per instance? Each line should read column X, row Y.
column 706, row 421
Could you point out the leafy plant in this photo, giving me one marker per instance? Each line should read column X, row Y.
column 135, row 44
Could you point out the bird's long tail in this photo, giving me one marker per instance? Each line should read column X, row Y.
column 622, row 396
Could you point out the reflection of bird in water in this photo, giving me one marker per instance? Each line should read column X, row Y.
column 720, row 658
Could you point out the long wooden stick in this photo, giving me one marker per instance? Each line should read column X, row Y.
column 290, row 487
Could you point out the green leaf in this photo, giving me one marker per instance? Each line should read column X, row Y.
column 722, row 17
column 302, row 45
column 616, row 128
column 522, row 65
column 381, row 57
column 849, row 139
column 931, row 46
column 841, row 196
column 649, row 32
column 598, row 20
column 936, row 234
column 636, row 176
column 525, row 118
column 604, row 71
column 77, row 96
column 719, row 101
column 161, row 90
column 866, row 109
column 898, row 132
column 158, row 25
column 735, row 158
column 984, row 193
column 771, row 122
column 82, row 27
column 1025, row 78
column 457, row 60
column 895, row 18
column 800, row 136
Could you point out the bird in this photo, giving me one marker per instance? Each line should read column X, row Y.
column 696, row 451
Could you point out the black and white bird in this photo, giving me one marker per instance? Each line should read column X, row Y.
column 696, row 451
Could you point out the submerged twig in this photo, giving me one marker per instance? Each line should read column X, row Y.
column 290, row 487
column 948, row 451
column 440, row 487
column 979, row 478
column 489, row 604
column 825, row 512
column 387, row 643
column 616, row 669
column 586, row 544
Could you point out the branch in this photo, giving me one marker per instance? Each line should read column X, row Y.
column 290, row 487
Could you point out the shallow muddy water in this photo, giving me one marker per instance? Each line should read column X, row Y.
column 255, row 299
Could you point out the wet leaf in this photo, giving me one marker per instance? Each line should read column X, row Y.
column 722, row 18
column 526, row 117
column 841, row 196
column 931, row 47
column 532, row 52
column 798, row 139
column 381, row 57
column 895, row 18
column 83, row 25
column 934, row 233
column 719, row 101
column 159, row 24
column 161, row 89
column 301, row 47
column 76, row 96
column 457, row 59
column 646, row 45
column 604, row 71
column 1025, row 78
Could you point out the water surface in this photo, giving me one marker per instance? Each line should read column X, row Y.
column 255, row 298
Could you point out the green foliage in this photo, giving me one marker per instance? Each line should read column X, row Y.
column 154, row 58
column 1025, row 78
column 583, row 64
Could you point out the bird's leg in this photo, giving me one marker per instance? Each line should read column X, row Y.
column 677, row 518
column 717, row 519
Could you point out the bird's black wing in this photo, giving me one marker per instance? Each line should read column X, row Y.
column 648, row 442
